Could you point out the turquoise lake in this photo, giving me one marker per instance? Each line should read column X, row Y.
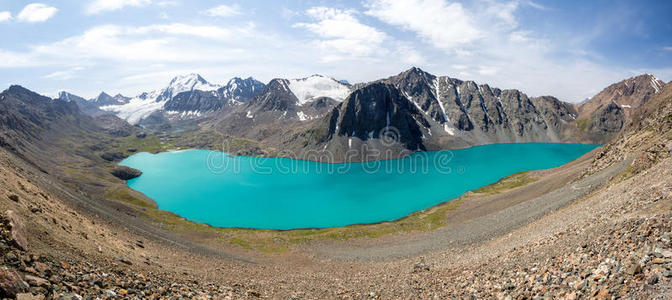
column 280, row 193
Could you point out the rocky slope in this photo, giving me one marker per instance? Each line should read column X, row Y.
column 607, row 113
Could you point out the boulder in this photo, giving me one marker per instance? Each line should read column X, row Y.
column 17, row 230
column 11, row 284
column 126, row 173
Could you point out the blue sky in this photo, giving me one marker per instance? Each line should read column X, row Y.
column 568, row 49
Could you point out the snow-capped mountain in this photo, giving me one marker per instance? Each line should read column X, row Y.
column 187, row 93
column 313, row 87
column 300, row 99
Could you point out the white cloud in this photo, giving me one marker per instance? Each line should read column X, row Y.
column 223, row 11
column 99, row 6
column 159, row 42
column 5, row 16
column 341, row 32
column 36, row 12
column 445, row 25
column 668, row 48
column 61, row 75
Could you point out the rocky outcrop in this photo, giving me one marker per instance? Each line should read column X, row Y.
column 126, row 173
column 241, row 90
column 372, row 110
column 112, row 156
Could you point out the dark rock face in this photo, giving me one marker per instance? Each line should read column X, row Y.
column 236, row 90
column 372, row 109
column 607, row 121
column 241, row 90
column 322, row 105
column 196, row 101
column 126, row 173
column 484, row 112
column 18, row 233
column 276, row 96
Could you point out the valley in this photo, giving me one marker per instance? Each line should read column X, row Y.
column 607, row 210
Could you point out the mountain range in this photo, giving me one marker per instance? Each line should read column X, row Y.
column 428, row 112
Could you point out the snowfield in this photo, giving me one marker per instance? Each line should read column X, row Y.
column 315, row 86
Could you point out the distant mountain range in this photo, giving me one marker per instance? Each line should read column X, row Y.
column 428, row 112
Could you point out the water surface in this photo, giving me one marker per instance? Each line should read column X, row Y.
column 279, row 193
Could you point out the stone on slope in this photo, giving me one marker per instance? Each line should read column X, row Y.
column 17, row 230
column 10, row 283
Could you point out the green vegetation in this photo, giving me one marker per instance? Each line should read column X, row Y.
column 582, row 124
column 124, row 195
column 506, row 183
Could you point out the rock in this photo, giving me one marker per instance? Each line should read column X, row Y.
column 37, row 281
column 126, row 173
column 18, row 231
column 41, row 267
column 112, row 156
column 254, row 293
column 633, row 269
column 14, row 198
column 141, row 135
column 71, row 296
column 666, row 253
column 11, row 284
column 125, row 260
column 132, row 150
column 28, row 296
column 110, row 293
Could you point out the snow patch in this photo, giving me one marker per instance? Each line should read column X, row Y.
column 302, row 116
column 448, row 129
column 655, row 83
column 249, row 115
column 625, row 106
column 437, row 82
column 309, row 88
column 349, row 142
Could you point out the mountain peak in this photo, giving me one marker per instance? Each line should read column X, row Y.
column 187, row 83
column 191, row 77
